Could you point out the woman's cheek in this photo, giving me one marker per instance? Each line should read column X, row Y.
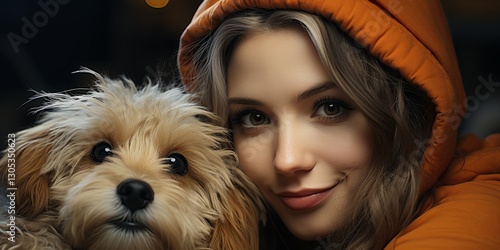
column 254, row 154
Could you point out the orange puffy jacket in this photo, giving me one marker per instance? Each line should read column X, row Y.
column 413, row 37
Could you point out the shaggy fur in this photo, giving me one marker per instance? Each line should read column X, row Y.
column 68, row 187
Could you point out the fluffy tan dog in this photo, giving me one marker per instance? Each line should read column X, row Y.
column 127, row 168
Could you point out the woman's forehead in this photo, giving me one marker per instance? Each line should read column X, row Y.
column 271, row 61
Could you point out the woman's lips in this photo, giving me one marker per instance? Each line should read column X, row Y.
column 305, row 199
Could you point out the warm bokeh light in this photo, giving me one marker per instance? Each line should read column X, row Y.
column 157, row 3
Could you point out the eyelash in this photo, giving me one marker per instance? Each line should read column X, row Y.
column 336, row 118
column 237, row 116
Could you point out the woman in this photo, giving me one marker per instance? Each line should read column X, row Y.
column 344, row 114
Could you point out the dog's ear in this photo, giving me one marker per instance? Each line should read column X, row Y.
column 21, row 168
column 242, row 211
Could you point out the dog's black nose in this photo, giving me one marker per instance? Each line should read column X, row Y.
column 135, row 194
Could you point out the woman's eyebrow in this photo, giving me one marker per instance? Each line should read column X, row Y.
column 321, row 87
column 244, row 101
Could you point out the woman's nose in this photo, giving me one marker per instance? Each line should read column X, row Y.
column 293, row 150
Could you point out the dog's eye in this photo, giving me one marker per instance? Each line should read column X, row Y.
column 101, row 151
column 178, row 163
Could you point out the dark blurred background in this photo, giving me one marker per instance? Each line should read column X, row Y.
column 49, row 41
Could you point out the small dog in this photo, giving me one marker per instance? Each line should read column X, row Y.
column 126, row 168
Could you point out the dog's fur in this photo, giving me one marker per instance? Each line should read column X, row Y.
column 66, row 199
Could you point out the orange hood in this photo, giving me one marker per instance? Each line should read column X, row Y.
column 411, row 36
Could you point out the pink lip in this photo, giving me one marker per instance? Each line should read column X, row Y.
column 305, row 199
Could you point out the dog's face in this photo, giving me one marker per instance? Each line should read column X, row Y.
column 127, row 169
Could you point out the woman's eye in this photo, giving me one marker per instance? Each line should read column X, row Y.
column 331, row 109
column 254, row 119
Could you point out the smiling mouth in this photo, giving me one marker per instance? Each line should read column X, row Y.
column 305, row 200
column 128, row 225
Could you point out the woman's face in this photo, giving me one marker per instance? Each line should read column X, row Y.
column 298, row 137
